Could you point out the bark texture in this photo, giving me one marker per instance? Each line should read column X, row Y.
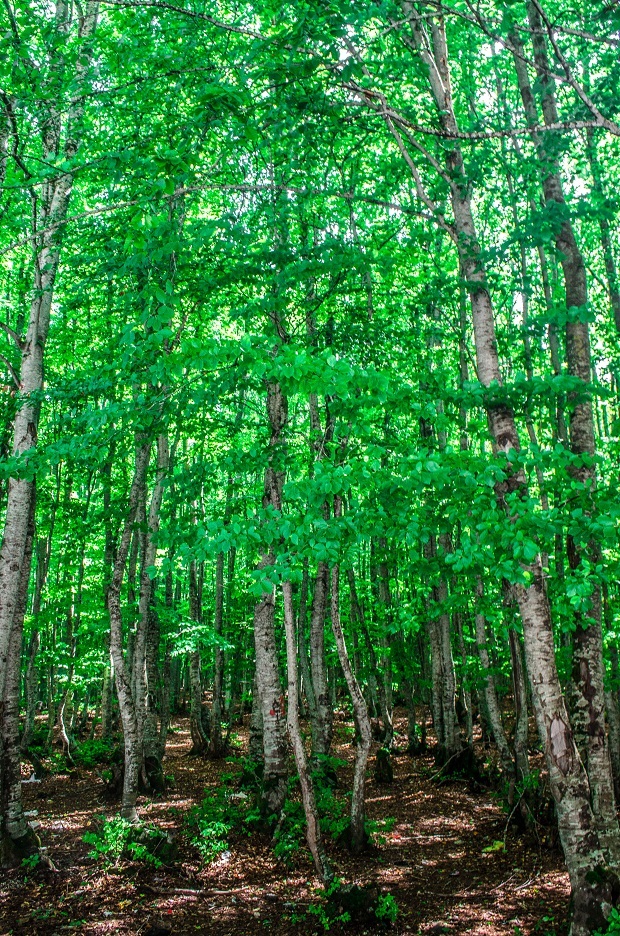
column 592, row 887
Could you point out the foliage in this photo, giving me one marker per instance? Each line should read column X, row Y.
column 219, row 814
column 118, row 839
column 341, row 903
column 387, row 908
column 93, row 751
column 613, row 925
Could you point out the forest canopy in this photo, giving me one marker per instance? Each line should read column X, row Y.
column 309, row 399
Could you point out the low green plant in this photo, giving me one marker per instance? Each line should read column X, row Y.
column 118, row 838
column 613, row 925
column 289, row 832
column 323, row 909
column 57, row 763
column 214, row 819
column 212, row 839
column 386, row 909
column 377, row 830
column 31, row 861
column 333, row 812
column 92, row 752
column 546, row 925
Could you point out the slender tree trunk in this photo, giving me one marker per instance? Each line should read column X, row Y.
column 32, row 685
column 216, row 742
column 321, row 712
column 583, row 848
column 200, row 739
column 588, row 715
column 267, row 675
column 131, row 732
column 490, row 693
column 464, row 691
column 521, row 714
column 17, row 840
column 52, row 204
column 106, row 703
column 313, row 827
column 141, row 690
column 385, row 624
column 360, row 712
column 304, row 664
column 357, row 619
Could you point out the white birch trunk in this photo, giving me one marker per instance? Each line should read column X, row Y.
column 131, row 734
column 313, row 827
column 267, row 675
column 360, row 713
column 585, row 853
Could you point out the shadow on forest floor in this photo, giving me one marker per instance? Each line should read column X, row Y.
column 432, row 861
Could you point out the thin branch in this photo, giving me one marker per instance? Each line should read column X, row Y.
column 11, row 370
column 160, row 4
column 242, row 188
column 12, row 334
column 610, row 125
column 479, row 135
column 421, row 191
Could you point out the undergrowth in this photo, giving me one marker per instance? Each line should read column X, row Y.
column 224, row 812
column 119, row 839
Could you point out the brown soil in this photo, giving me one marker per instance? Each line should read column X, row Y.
column 433, row 861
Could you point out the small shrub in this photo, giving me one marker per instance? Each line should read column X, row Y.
column 613, row 925
column 94, row 751
column 118, row 839
column 324, row 909
column 289, row 833
column 386, row 909
column 214, row 819
column 377, row 830
column 31, row 861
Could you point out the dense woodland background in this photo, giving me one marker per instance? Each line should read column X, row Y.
column 309, row 405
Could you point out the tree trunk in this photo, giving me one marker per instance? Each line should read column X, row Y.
column 357, row 619
column 129, row 719
column 200, row 739
column 216, row 742
column 32, row 685
column 267, row 676
column 490, row 694
column 53, row 200
column 588, row 715
column 360, row 713
column 583, row 849
column 313, row 827
column 520, row 698
column 321, row 712
column 17, row 839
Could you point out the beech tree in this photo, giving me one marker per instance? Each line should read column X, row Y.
column 310, row 384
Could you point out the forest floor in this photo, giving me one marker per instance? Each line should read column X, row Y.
column 433, row 861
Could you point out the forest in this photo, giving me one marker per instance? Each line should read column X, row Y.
column 309, row 467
